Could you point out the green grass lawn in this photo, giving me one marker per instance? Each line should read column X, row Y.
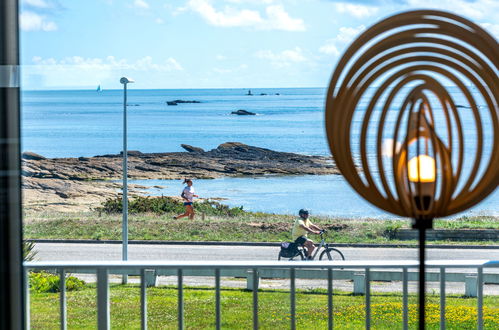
column 244, row 226
column 199, row 311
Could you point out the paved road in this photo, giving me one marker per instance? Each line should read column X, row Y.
column 79, row 251
column 89, row 252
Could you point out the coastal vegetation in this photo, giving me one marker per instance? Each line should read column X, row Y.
column 150, row 218
column 236, row 309
column 43, row 282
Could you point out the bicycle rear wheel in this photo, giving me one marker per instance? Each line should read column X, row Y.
column 331, row 254
column 298, row 256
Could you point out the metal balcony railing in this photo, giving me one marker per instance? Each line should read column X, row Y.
column 230, row 268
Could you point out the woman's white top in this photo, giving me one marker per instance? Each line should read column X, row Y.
column 188, row 193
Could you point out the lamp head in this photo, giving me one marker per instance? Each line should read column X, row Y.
column 421, row 169
column 438, row 161
column 125, row 80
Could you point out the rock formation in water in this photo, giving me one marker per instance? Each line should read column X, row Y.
column 242, row 112
column 96, row 178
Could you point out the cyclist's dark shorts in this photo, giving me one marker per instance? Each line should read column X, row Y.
column 187, row 203
column 300, row 240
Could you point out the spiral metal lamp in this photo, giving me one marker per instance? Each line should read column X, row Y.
column 412, row 118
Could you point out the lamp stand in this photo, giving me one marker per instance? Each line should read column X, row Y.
column 421, row 224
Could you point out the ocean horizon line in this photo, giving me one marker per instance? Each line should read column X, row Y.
column 103, row 88
column 160, row 89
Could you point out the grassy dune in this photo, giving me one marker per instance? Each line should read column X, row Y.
column 151, row 219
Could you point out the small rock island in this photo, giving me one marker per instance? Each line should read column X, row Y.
column 176, row 102
column 242, row 112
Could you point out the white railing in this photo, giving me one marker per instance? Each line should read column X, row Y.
column 231, row 268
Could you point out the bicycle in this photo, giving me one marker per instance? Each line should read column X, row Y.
column 329, row 252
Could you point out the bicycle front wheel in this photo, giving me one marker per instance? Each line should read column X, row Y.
column 331, row 254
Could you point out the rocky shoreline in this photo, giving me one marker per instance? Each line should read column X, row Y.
column 79, row 184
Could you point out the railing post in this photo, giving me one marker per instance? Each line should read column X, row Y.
column 180, row 277
column 62, row 298
column 252, row 280
column 442, row 297
column 405, row 298
column 470, row 287
column 330, row 298
column 103, row 313
column 255, row 298
column 143, row 299
column 359, row 283
column 480, row 298
column 150, row 277
column 368, row 299
column 26, row 299
column 218, row 314
column 292, row 295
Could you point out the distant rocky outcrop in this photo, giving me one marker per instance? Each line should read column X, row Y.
column 31, row 156
column 175, row 102
column 130, row 153
column 231, row 158
column 190, row 148
column 242, row 112
column 90, row 180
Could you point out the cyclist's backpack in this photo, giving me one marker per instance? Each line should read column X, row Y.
column 289, row 250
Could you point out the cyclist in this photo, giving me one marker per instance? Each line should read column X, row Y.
column 301, row 228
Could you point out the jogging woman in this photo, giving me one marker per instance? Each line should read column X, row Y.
column 188, row 195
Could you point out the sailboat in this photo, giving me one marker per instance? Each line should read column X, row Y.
column 99, row 89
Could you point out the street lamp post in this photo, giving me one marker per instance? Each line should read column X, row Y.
column 125, row 81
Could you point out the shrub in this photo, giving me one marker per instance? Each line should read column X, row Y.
column 46, row 282
column 28, row 251
column 168, row 205
column 391, row 229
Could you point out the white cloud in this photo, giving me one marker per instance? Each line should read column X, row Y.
column 81, row 71
column 159, row 21
column 141, row 4
column 222, row 70
column 284, row 58
column 493, row 29
column 265, row 2
column 329, row 48
column 107, row 64
column 230, row 70
column 344, row 37
column 277, row 18
column 358, row 11
column 347, row 34
column 230, row 17
column 178, row 10
column 221, row 57
column 30, row 21
column 477, row 9
column 35, row 3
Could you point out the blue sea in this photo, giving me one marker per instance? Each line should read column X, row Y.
column 74, row 123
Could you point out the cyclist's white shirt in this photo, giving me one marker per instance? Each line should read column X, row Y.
column 188, row 193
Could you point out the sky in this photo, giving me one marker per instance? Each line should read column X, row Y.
column 80, row 44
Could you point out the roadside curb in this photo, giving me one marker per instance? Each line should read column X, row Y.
column 354, row 245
